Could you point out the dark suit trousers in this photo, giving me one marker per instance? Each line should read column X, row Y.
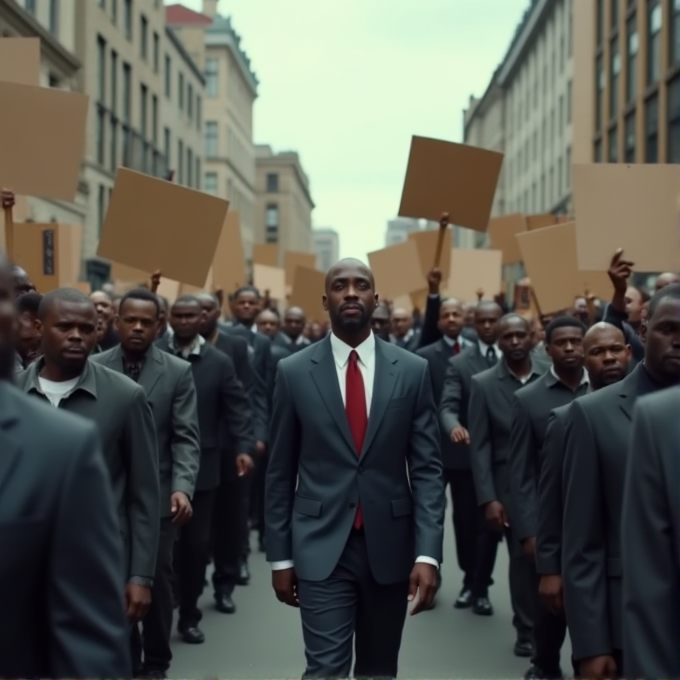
column 476, row 545
column 227, row 533
column 193, row 553
column 550, row 631
column 350, row 607
column 257, row 495
column 246, row 490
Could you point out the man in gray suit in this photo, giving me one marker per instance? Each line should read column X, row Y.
column 490, row 421
column 598, row 434
column 650, row 540
column 66, row 378
column 352, row 531
column 169, row 388
column 56, row 509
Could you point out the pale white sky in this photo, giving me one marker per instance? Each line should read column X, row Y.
column 345, row 83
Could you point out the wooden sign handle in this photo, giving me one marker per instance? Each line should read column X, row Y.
column 9, row 231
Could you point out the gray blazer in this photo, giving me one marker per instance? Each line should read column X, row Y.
column 119, row 408
column 315, row 478
column 650, row 540
column 595, row 455
column 61, row 561
column 171, row 393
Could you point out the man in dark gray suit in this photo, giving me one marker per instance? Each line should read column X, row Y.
column 56, row 509
column 290, row 335
column 650, row 540
column 169, row 388
column 490, row 421
column 66, row 378
column 598, row 434
column 565, row 381
column 343, row 533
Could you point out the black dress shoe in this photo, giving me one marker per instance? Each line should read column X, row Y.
column 243, row 577
column 224, row 604
column 536, row 673
column 192, row 635
column 482, row 607
column 464, row 600
column 523, row 648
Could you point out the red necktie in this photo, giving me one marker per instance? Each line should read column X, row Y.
column 456, row 347
column 355, row 408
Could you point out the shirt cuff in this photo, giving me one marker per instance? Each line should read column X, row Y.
column 433, row 295
column 427, row 560
column 284, row 564
column 141, row 581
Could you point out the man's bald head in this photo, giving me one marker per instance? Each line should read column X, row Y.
column 600, row 330
column 489, row 306
column 349, row 264
column 208, row 298
column 666, row 279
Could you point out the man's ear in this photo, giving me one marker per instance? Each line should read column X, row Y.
column 38, row 328
column 324, row 299
column 643, row 331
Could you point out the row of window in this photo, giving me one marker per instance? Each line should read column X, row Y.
column 52, row 16
column 188, row 99
column 128, row 13
column 545, row 195
column 272, row 224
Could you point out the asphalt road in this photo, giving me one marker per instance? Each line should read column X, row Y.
column 263, row 639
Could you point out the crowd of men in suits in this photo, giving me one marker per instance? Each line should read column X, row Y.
column 557, row 435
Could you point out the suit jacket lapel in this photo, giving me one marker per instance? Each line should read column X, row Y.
column 629, row 391
column 9, row 446
column 476, row 360
column 383, row 386
column 152, row 370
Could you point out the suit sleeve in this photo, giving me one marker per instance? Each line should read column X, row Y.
column 186, row 438
column 651, row 589
column 452, row 394
column 282, row 471
column 481, row 454
column 549, row 505
column 236, row 410
column 429, row 332
column 87, row 629
column 584, row 557
column 143, row 492
column 259, row 400
column 522, row 459
column 425, row 473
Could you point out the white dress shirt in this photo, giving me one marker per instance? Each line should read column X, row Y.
column 484, row 348
column 366, row 363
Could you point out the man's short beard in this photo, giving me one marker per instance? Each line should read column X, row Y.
column 353, row 325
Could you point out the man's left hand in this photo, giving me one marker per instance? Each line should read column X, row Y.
column 138, row 600
column 423, row 583
column 244, row 464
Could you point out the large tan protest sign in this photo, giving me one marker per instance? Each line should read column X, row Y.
column 266, row 254
column 270, row 280
column 229, row 262
column 474, row 269
column 426, row 242
column 307, row 293
column 20, row 61
column 503, row 231
column 293, row 259
column 397, row 270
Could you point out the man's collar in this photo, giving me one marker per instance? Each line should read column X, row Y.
column 341, row 350
column 193, row 349
column 552, row 378
column 86, row 381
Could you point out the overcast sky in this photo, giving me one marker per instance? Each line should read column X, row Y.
column 345, row 83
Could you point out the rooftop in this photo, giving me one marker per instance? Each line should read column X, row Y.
column 179, row 15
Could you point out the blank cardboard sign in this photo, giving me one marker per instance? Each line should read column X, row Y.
column 207, row 287
column 403, row 302
column 549, row 257
column 307, row 293
column 634, row 207
column 473, row 269
column 42, row 137
column 502, row 232
column 426, row 242
column 293, row 259
column 455, row 178
column 266, row 254
column 397, row 270
column 270, row 279
column 153, row 224
column 229, row 262
column 20, row 61
column 540, row 221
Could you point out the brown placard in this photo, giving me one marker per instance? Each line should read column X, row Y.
column 121, row 272
column 397, row 270
column 42, row 137
column 447, row 177
column 229, row 262
column 293, row 259
column 266, row 254
column 550, row 260
column 168, row 289
column 473, row 269
column 271, row 280
column 502, row 231
column 426, row 242
column 634, row 207
column 419, row 299
column 207, row 287
column 20, row 61
column 541, row 221
column 84, row 287
column 403, row 302
column 152, row 224
column 307, row 293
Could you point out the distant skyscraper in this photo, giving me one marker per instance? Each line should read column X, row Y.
column 326, row 247
column 398, row 230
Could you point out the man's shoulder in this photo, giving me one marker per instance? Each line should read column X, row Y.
column 110, row 382
column 532, row 391
column 405, row 357
column 291, row 361
column 486, row 377
column 102, row 357
column 660, row 405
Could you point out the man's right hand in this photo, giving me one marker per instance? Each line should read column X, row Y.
column 598, row 668
column 619, row 272
column 496, row 516
column 459, row 435
column 550, row 591
column 284, row 583
column 434, row 279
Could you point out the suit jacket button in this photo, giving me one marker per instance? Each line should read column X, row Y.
column 352, row 506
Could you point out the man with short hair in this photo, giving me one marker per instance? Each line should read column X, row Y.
column 403, row 335
column 380, row 321
column 291, row 336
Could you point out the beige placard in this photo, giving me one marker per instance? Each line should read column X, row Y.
column 42, row 138
column 152, row 224
column 541, row 221
column 419, row 299
column 426, row 242
column 502, row 232
column 447, row 177
column 207, row 287
column 168, row 289
column 634, row 207
column 229, row 262
column 20, row 61
column 397, row 270
column 403, row 302
column 121, row 272
column 293, row 259
column 475, row 269
column 271, row 280
column 550, row 260
column 266, row 254
column 307, row 293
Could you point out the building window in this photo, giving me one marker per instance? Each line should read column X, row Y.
column 114, row 12
column 272, row 219
column 561, row 114
column 190, row 102
column 102, row 4
column 567, row 169
column 652, row 130
column 168, row 76
column 54, row 17
column 562, row 53
column 113, row 104
column 101, row 69
column 190, row 168
column 615, row 65
column 559, row 176
column 211, row 77
column 144, row 38
column 180, row 94
column 633, row 47
column 675, row 33
column 272, row 182
column 180, row 162
column 127, row 18
column 29, row 6
column 598, row 151
column 674, row 121
column 199, row 174
column 156, row 52
column 613, row 14
column 166, row 145
column 653, row 41
column 211, row 139
column 154, row 120
column 101, row 118
column 600, row 21
column 113, row 145
column 101, row 207
column 143, row 113
column 570, row 34
column 210, row 183
column 127, row 98
column 570, row 94
column 629, row 140
column 600, row 93
column 613, row 156
column 199, row 113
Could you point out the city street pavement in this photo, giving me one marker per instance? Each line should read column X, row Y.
column 264, row 640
